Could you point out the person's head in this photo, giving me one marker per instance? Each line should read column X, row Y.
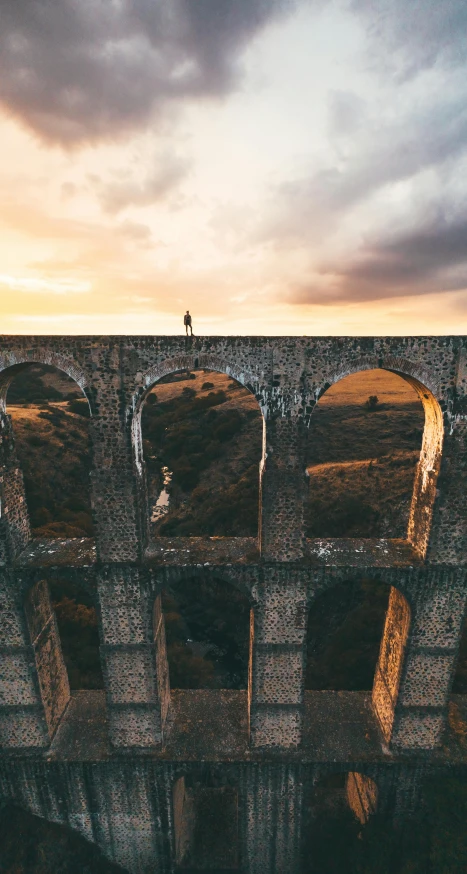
column 188, row 312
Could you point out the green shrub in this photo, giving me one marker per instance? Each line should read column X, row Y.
column 81, row 407
column 372, row 403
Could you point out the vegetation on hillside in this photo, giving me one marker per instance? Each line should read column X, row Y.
column 51, row 436
column 79, row 635
column 30, row 845
column 207, row 630
column 362, row 455
column 208, row 433
column 345, row 625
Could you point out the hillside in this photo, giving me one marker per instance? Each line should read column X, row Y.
column 52, row 447
column 361, row 461
column 206, row 430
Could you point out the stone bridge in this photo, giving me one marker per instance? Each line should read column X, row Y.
column 133, row 768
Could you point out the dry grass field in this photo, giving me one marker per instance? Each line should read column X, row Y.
column 361, row 463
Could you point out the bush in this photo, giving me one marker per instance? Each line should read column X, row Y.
column 188, row 392
column 36, row 440
column 372, row 403
column 207, row 385
column 81, row 407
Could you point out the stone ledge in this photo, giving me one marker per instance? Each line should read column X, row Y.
column 75, row 552
column 211, row 725
column 363, row 553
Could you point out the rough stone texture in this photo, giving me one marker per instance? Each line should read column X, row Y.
column 109, row 763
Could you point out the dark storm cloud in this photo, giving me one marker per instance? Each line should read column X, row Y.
column 429, row 258
column 382, row 154
column 416, row 34
column 77, row 70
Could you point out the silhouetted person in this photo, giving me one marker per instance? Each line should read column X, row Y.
column 187, row 322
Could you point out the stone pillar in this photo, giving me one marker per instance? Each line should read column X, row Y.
column 114, row 486
column 114, row 492
column 134, row 659
column 448, row 537
column 277, row 659
column 34, row 690
column 424, row 663
column 15, row 531
column 283, row 491
column 274, row 801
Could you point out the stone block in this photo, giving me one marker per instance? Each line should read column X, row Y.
column 278, row 677
column 130, row 675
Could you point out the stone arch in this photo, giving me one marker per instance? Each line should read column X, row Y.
column 149, row 379
column 12, row 363
column 15, row 524
column 198, row 361
column 205, row 816
column 180, row 583
column 359, row 789
column 391, row 660
column 419, row 377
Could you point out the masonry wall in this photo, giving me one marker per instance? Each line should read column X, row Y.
column 123, row 798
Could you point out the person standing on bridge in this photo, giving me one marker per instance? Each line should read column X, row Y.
column 187, row 323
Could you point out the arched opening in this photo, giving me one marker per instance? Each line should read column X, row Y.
column 337, row 805
column 345, row 625
column 356, row 640
column 77, row 623
column 205, row 816
column 207, row 628
column 373, row 458
column 62, row 623
column 198, row 450
column 49, row 416
column 433, row 836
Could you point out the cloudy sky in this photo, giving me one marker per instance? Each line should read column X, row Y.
column 275, row 166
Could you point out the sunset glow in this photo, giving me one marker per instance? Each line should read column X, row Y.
column 275, row 167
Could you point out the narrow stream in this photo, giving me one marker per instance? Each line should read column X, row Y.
column 161, row 506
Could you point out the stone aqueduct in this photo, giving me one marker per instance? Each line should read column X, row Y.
column 118, row 768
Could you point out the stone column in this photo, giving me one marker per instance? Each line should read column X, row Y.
column 277, row 659
column 114, row 486
column 283, row 491
column 423, row 665
column 34, row 690
column 134, row 659
column 448, row 537
column 274, row 801
column 15, row 531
